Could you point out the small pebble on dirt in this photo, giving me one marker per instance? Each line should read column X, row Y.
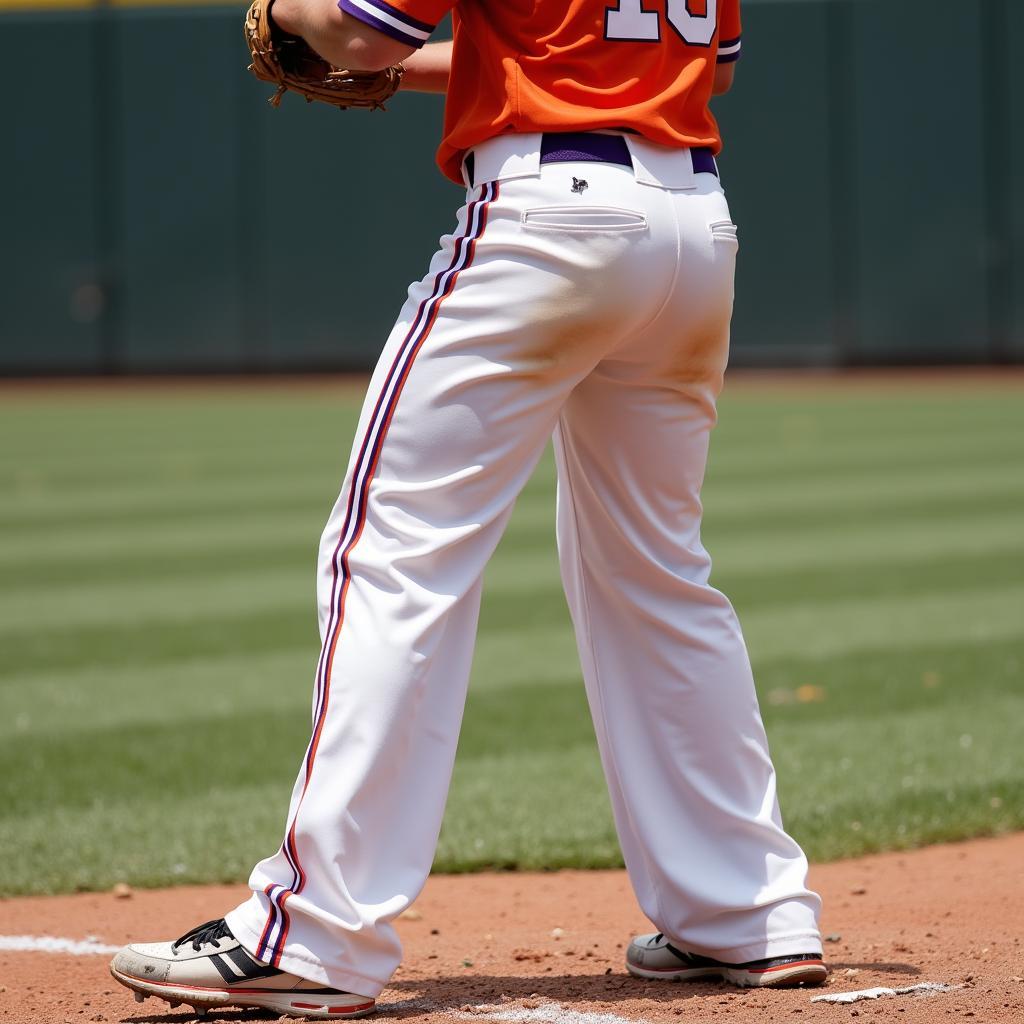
column 557, row 933
column 435, row 931
column 835, row 937
column 858, row 892
column 412, row 914
column 122, row 891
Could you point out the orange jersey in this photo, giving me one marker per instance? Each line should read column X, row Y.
column 540, row 66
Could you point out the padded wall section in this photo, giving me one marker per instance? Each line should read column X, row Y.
column 51, row 285
column 353, row 207
column 179, row 171
column 920, row 168
column 775, row 167
column 1014, row 139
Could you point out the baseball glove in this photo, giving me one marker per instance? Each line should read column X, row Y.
column 290, row 63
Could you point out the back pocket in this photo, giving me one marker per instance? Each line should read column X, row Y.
column 583, row 218
column 724, row 231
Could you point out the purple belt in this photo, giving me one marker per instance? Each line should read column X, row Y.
column 559, row 147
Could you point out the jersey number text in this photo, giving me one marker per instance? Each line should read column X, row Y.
column 694, row 20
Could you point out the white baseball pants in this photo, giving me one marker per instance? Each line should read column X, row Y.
column 601, row 316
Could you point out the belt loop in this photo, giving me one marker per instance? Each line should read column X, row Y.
column 661, row 166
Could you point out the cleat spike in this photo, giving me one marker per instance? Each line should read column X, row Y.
column 139, row 997
column 173, row 1005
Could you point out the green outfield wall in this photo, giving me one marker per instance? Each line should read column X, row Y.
column 160, row 216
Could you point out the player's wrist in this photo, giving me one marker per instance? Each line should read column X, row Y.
column 286, row 15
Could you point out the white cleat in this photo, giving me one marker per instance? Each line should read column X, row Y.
column 655, row 958
column 209, row 964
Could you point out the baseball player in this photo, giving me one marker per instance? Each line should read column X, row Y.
column 585, row 292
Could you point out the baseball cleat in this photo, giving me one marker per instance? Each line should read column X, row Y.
column 654, row 957
column 208, row 967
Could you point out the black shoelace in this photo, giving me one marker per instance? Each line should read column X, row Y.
column 211, row 933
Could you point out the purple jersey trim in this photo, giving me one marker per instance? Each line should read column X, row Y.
column 733, row 48
column 423, row 26
column 368, row 18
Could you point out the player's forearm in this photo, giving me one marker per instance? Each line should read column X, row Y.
column 343, row 41
column 722, row 83
column 427, row 69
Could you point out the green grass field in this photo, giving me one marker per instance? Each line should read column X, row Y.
column 158, row 636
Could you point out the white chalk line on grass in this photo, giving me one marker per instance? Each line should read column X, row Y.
column 89, row 946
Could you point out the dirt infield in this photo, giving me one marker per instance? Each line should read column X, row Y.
column 548, row 948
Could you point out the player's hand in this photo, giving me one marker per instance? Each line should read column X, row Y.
column 290, row 61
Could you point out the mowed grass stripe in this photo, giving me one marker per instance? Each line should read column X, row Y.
column 132, row 569
column 854, row 687
column 192, row 688
column 801, row 421
column 520, row 565
column 97, row 426
column 748, row 466
column 294, row 546
column 45, row 649
column 851, row 624
column 768, row 512
column 161, row 503
column 79, row 477
column 810, row 629
column 835, row 628
column 148, row 603
column 916, row 491
column 773, row 466
column 214, row 686
column 543, row 601
column 95, row 615
column 853, row 535
column 223, row 458
column 246, row 534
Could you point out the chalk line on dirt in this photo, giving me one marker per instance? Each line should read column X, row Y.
column 547, row 1013
column 54, row 944
column 925, row 988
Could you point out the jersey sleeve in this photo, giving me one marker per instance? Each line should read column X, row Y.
column 408, row 21
column 729, row 32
